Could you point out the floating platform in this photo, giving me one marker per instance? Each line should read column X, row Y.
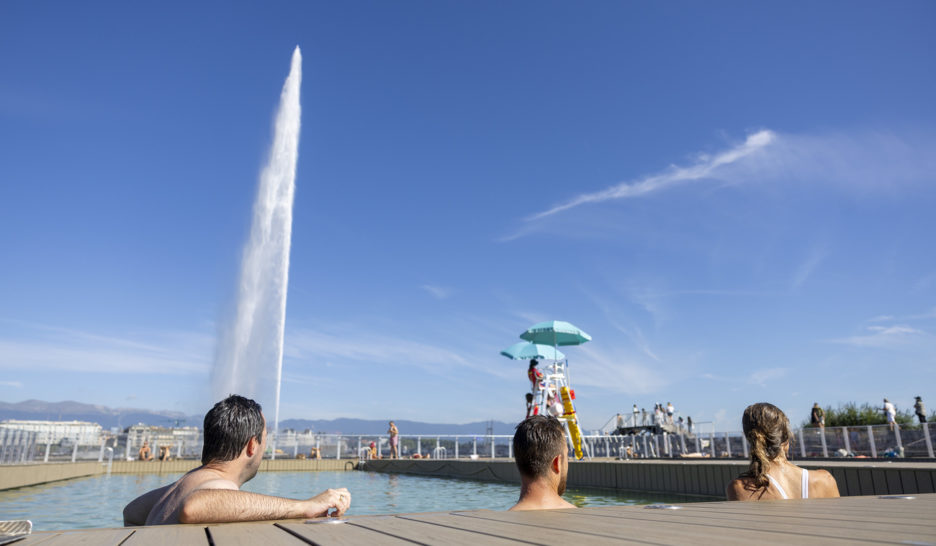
column 881, row 520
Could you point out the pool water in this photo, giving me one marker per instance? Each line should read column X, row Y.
column 98, row 501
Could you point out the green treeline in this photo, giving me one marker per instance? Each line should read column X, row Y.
column 851, row 415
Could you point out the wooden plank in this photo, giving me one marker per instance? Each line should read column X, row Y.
column 711, row 526
column 162, row 535
column 866, row 481
column 340, row 534
column 103, row 537
column 819, row 510
column 709, row 472
column 845, row 518
column 591, row 529
column 924, row 481
column 855, row 528
column 908, row 482
column 850, row 483
column 38, row 538
column 485, row 529
column 695, row 477
column 233, row 534
column 894, row 485
column 880, row 482
column 428, row 532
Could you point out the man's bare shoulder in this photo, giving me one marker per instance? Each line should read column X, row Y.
column 166, row 509
column 526, row 505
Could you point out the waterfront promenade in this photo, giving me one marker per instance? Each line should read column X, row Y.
column 849, row 520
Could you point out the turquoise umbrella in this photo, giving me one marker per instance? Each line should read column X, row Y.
column 526, row 350
column 555, row 332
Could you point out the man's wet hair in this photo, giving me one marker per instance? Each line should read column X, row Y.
column 229, row 425
column 536, row 443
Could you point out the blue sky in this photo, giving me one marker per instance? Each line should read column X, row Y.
column 734, row 200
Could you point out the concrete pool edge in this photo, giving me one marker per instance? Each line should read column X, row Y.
column 25, row 475
column 703, row 478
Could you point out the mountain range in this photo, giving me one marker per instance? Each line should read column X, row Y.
column 122, row 417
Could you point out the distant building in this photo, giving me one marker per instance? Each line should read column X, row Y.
column 53, row 432
column 186, row 437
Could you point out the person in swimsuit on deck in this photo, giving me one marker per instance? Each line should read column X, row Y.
column 394, row 440
column 771, row 476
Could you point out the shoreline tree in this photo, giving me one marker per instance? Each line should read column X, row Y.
column 851, row 414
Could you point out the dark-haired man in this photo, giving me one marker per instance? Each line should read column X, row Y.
column 542, row 457
column 235, row 439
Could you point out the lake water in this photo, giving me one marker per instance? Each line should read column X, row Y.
column 98, row 501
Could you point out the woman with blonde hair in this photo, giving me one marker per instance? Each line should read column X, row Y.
column 771, row 476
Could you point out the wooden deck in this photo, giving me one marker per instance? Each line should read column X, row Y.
column 818, row 521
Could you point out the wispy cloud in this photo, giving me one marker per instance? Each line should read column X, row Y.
column 437, row 292
column 632, row 331
column 806, row 268
column 48, row 348
column 931, row 314
column 706, row 167
column 764, row 376
column 14, row 384
column 885, row 337
column 351, row 344
column 925, row 315
column 854, row 161
column 616, row 371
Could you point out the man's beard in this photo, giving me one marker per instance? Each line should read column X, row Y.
column 254, row 468
column 562, row 485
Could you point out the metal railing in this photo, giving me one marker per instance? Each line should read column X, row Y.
column 20, row 446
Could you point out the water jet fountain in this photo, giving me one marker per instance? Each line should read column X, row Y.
column 251, row 343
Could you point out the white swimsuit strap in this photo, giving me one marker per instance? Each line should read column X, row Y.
column 805, row 486
column 777, row 485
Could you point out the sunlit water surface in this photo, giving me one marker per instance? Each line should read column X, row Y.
column 98, row 501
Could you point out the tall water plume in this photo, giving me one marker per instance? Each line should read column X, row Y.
column 250, row 347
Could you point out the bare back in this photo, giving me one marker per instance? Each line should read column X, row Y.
column 166, row 509
column 788, row 476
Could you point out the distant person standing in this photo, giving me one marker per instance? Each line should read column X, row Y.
column 890, row 413
column 620, row 421
column 394, row 441
column 920, row 410
column 670, row 410
column 635, row 412
column 689, row 424
column 535, row 376
column 643, row 416
column 817, row 416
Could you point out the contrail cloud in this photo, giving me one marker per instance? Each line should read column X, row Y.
column 703, row 169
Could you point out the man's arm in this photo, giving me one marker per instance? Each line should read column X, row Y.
column 225, row 505
column 139, row 508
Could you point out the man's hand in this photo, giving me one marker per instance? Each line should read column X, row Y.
column 330, row 499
